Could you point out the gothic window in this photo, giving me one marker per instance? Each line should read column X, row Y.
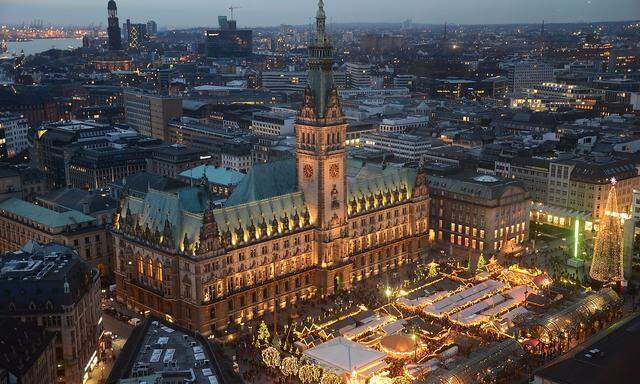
column 159, row 273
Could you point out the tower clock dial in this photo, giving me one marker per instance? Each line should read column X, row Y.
column 307, row 170
column 334, row 171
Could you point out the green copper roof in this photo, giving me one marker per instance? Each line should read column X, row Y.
column 217, row 175
column 42, row 215
column 256, row 212
column 265, row 180
column 183, row 209
column 367, row 178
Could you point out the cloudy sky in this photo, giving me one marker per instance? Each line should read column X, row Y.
column 181, row 13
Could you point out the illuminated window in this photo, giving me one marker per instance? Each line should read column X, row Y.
column 159, row 273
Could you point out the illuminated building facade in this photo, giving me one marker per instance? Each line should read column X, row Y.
column 478, row 214
column 291, row 230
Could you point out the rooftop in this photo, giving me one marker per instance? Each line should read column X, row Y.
column 43, row 278
column 21, row 345
column 42, row 215
column 216, row 175
column 161, row 349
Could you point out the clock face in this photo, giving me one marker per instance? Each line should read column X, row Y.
column 307, row 170
column 334, row 170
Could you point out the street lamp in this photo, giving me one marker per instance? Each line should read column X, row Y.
column 387, row 293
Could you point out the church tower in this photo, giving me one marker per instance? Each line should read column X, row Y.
column 321, row 156
column 113, row 28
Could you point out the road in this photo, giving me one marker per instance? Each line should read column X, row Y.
column 115, row 326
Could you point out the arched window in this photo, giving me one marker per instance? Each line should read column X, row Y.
column 149, row 268
column 139, row 265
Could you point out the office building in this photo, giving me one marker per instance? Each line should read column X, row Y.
column 50, row 286
column 54, row 144
column 404, row 124
column 228, row 41
column 152, row 28
column 94, row 168
column 273, row 123
column 290, row 230
column 28, row 353
column 284, row 81
column 21, row 221
column 359, row 75
column 149, row 113
column 113, row 27
column 21, row 181
column 582, row 184
column 526, row 74
column 404, row 81
column 552, row 96
column 13, row 129
column 36, row 103
column 171, row 160
column 403, row 146
column 477, row 214
column 136, row 35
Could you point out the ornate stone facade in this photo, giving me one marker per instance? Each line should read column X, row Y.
column 290, row 231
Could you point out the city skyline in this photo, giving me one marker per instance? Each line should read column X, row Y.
column 194, row 13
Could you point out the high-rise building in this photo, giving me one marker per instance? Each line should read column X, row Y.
column 359, row 75
column 526, row 74
column 13, row 129
column 50, row 286
column 113, row 29
column 149, row 113
column 228, row 40
column 152, row 28
column 290, row 230
column 136, row 35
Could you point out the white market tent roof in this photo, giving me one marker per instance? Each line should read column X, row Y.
column 343, row 356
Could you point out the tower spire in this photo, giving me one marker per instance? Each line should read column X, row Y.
column 321, row 33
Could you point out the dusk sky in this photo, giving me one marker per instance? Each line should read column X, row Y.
column 181, row 13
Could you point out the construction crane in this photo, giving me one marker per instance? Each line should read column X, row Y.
column 231, row 8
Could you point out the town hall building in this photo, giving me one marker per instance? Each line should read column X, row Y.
column 291, row 230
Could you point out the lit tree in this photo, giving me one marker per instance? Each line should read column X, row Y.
column 271, row 357
column 481, row 262
column 307, row 374
column 433, row 269
column 469, row 265
column 381, row 378
column 401, row 380
column 263, row 335
column 331, row 378
column 607, row 264
column 289, row 366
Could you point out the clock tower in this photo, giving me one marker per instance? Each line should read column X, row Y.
column 321, row 159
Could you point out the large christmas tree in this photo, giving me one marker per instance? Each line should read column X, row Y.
column 607, row 263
